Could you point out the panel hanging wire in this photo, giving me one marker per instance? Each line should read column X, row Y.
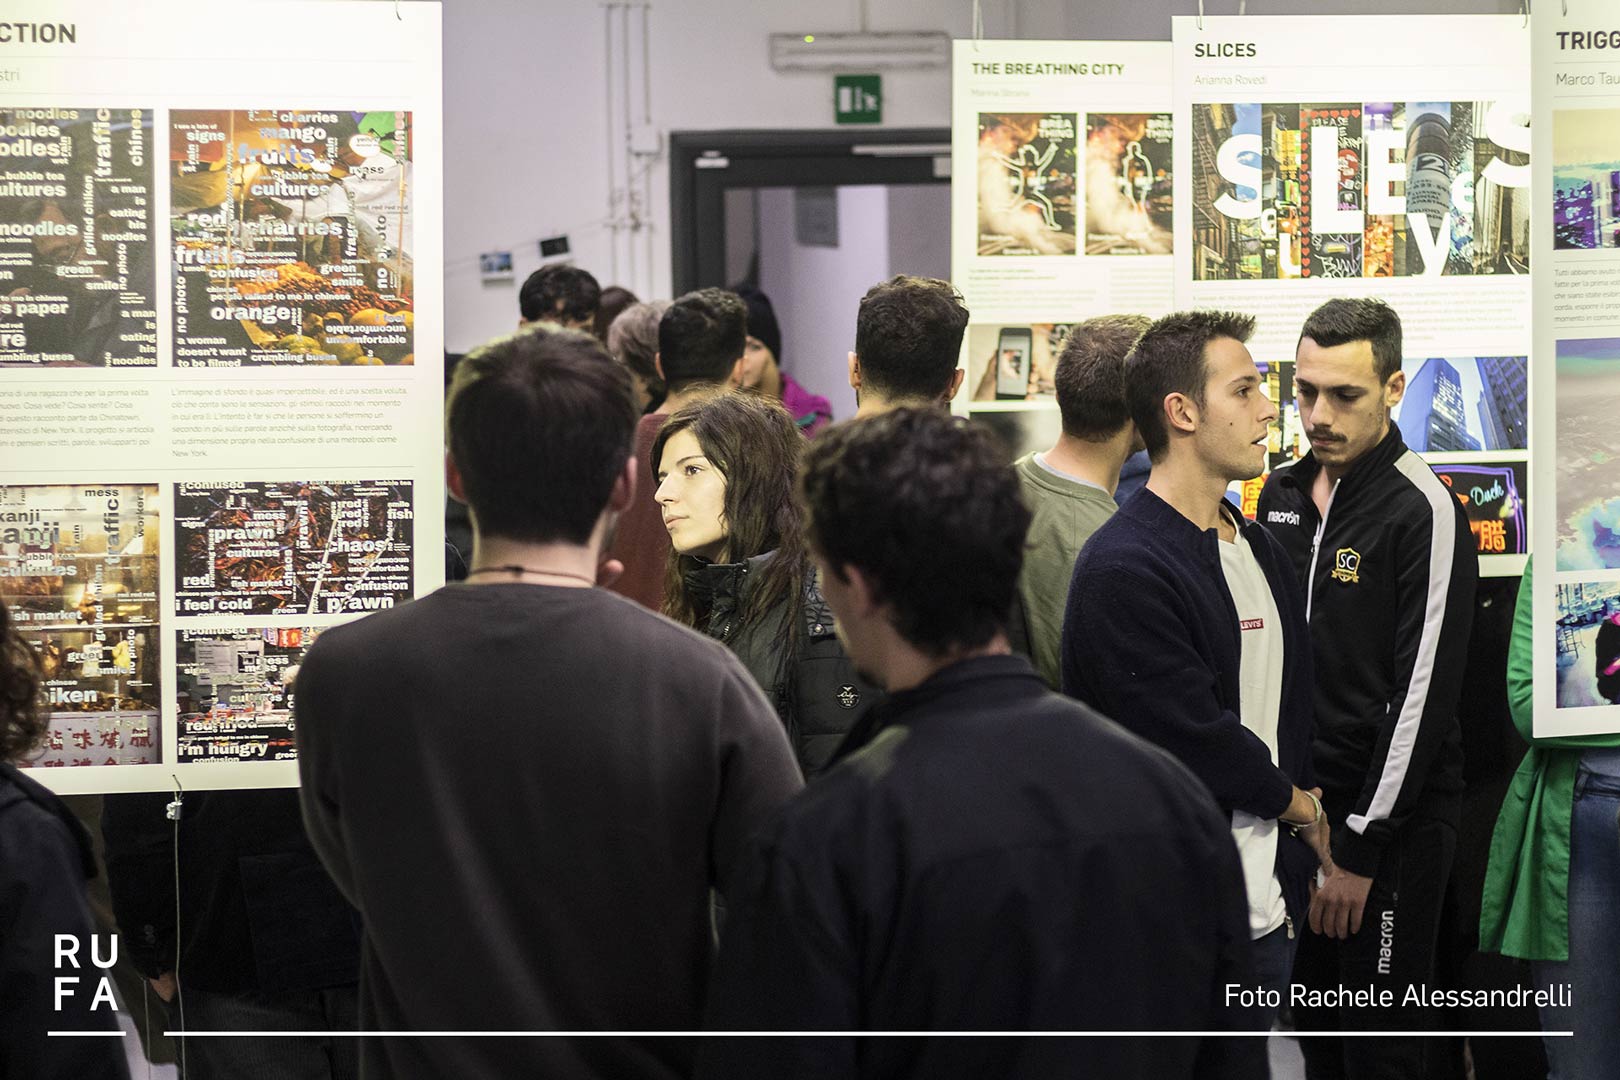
column 1200, row 16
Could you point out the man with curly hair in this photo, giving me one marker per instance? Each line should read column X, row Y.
column 998, row 857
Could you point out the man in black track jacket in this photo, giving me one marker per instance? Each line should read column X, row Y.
column 1389, row 566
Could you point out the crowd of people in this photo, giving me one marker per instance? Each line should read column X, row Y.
column 734, row 719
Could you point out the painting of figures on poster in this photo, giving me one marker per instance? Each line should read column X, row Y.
column 1408, row 182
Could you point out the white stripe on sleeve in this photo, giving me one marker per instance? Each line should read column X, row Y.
column 1442, row 548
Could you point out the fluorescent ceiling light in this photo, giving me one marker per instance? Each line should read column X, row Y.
column 860, row 52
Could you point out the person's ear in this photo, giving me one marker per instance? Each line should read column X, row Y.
column 1181, row 412
column 854, row 371
column 1394, row 389
column 956, row 384
column 736, row 378
column 658, row 366
column 624, row 486
column 452, row 479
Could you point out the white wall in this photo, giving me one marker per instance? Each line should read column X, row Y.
column 816, row 290
column 526, row 145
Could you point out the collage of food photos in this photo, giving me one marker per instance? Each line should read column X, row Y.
column 1359, row 190
column 292, row 238
column 77, row 274
column 235, row 702
column 292, row 548
column 79, row 574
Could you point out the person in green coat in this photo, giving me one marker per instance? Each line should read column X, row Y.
column 1552, row 887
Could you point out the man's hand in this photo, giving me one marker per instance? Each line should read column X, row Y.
column 164, row 986
column 1337, row 906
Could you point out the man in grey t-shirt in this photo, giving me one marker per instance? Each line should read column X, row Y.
column 1070, row 488
column 529, row 829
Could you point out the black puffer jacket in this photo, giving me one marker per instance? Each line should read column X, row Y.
column 818, row 695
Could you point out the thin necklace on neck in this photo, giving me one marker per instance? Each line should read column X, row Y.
column 518, row 571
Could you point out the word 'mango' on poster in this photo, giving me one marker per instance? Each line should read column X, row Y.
column 292, row 238
column 79, row 574
column 76, row 266
column 292, row 547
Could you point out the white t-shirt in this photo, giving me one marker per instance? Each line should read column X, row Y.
column 1260, row 699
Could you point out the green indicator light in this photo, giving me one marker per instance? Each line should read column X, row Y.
column 809, row 39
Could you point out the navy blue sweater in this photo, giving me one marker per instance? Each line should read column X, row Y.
column 1151, row 640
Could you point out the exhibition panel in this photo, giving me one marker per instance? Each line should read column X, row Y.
column 220, row 372
column 1576, row 162
column 1314, row 173
column 1061, row 201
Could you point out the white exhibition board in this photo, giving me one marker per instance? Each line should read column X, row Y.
column 220, row 376
column 1397, row 168
column 1575, row 383
column 1060, row 201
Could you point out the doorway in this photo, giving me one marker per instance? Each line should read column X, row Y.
column 813, row 219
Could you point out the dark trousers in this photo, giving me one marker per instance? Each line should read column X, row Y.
column 1393, row 951
column 316, row 1057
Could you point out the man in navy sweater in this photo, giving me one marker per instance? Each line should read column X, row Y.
column 1185, row 622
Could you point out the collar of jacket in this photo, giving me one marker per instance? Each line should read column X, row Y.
column 1302, row 473
column 720, row 585
column 994, row 676
column 17, row 786
column 1147, row 509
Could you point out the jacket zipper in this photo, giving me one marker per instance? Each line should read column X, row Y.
column 1316, row 546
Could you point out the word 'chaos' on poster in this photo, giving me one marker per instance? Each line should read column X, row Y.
column 1576, row 377
column 1312, row 175
column 1063, row 171
column 220, row 378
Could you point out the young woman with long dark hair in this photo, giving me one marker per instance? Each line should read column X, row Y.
column 739, row 569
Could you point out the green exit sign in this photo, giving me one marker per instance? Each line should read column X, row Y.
column 858, row 99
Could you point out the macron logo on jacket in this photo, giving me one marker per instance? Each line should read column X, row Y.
column 1283, row 517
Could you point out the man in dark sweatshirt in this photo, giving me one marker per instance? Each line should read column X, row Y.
column 1388, row 564
column 529, row 833
column 1185, row 624
column 998, row 857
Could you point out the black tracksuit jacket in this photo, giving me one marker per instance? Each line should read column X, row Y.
column 1389, row 573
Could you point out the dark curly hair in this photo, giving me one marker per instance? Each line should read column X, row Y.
column 22, row 722
column 755, row 445
column 927, row 506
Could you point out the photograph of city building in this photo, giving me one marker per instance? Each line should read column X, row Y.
column 1586, row 179
column 1401, row 189
column 1588, row 400
column 1588, row 644
column 1464, row 403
